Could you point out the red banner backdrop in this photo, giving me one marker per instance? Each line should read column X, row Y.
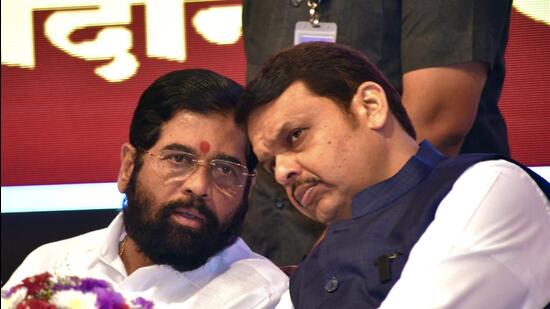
column 525, row 99
column 62, row 123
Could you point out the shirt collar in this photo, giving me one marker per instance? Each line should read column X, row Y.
column 108, row 247
column 381, row 194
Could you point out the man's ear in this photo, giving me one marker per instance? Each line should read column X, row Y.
column 371, row 105
column 127, row 163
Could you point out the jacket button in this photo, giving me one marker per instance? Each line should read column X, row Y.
column 280, row 203
column 331, row 285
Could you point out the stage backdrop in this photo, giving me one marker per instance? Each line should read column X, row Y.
column 73, row 70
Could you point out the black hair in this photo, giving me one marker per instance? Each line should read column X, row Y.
column 195, row 90
column 327, row 69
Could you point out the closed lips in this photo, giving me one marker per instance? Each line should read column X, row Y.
column 303, row 193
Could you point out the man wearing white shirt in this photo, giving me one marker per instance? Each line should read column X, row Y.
column 407, row 226
column 186, row 173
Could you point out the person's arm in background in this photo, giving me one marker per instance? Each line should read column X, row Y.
column 442, row 102
column 448, row 50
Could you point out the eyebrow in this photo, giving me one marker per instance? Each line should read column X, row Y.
column 180, row 147
column 188, row 149
column 223, row 156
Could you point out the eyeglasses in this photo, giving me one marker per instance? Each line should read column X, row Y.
column 180, row 164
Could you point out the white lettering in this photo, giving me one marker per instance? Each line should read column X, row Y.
column 220, row 24
column 164, row 28
column 112, row 42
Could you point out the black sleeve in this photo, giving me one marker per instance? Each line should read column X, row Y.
column 437, row 33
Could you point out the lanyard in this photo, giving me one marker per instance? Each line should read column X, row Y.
column 313, row 5
column 314, row 14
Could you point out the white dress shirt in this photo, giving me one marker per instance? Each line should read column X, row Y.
column 235, row 278
column 488, row 246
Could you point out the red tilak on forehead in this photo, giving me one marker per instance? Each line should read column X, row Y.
column 204, row 146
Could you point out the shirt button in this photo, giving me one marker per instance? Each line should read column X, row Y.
column 280, row 203
column 331, row 285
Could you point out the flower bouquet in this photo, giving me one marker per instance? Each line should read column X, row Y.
column 47, row 291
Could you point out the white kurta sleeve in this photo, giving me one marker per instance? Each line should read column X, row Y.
column 488, row 246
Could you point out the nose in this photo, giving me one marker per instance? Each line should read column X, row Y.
column 286, row 169
column 198, row 181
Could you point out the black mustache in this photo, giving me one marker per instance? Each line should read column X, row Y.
column 191, row 203
column 300, row 182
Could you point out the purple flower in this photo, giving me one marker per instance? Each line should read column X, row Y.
column 8, row 293
column 45, row 290
column 108, row 299
column 142, row 303
column 89, row 284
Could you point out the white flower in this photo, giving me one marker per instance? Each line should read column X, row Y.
column 74, row 299
column 14, row 299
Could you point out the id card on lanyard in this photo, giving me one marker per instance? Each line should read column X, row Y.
column 305, row 32
column 314, row 30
